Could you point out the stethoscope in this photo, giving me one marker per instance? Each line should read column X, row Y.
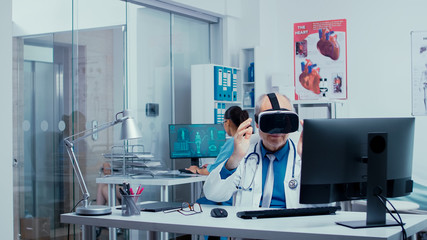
column 293, row 183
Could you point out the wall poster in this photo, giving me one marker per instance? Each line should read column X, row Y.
column 320, row 60
column 419, row 72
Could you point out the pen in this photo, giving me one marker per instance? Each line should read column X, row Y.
column 139, row 191
column 131, row 191
column 123, row 192
column 126, row 187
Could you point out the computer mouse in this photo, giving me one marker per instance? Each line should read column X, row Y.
column 219, row 213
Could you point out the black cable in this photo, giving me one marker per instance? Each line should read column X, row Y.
column 384, row 202
column 395, row 210
column 404, row 235
column 68, row 228
column 76, row 205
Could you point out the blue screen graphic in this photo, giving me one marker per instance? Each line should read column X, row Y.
column 195, row 140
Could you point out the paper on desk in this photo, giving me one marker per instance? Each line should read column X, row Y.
column 160, row 172
column 143, row 155
column 152, row 164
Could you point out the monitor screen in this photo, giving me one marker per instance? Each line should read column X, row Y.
column 337, row 154
column 195, row 140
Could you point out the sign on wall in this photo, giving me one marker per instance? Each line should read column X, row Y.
column 320, row 60
column 419, row 72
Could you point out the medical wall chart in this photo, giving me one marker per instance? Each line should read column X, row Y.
column 419, row 72
column 320, row 60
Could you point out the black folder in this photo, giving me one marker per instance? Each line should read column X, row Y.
column 160, row 206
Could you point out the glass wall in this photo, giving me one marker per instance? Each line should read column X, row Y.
column 55, row 104
column 75, row 77
column 160, row 56
column 191, row 46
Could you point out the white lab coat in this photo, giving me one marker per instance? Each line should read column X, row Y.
column 219, row 190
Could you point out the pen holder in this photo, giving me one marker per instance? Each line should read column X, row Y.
column 130, row 206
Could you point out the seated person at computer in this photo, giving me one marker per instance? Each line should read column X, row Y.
column 233, row 117
column 248, row 173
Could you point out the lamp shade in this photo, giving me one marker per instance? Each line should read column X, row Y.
column 130, row 129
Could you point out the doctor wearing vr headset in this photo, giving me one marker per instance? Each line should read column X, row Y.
column 248, row 174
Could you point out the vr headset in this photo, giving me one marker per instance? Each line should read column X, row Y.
column 277, row 120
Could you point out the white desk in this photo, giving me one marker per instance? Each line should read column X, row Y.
column 297, row 228
column 401, row 206
column 163, row 181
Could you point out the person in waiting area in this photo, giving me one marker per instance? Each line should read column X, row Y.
column 244, row 173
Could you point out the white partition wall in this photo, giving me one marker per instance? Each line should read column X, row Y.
column 6, row 172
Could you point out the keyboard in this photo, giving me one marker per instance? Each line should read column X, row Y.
column 183, row 170
column 291, row 212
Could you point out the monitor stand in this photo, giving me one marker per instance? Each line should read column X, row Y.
column 195, row 162
column 376, row 184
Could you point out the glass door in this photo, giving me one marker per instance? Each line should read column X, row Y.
column 53, row 105
column 42, row 173
column 40, row 180
column 160, row 56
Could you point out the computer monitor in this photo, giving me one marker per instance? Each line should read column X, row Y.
column 357, row 158
column 195, row 141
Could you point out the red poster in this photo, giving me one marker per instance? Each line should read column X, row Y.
column 320, row 60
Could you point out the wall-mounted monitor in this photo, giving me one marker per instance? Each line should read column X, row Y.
column 195, row 140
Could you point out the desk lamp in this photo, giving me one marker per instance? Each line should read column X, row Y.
column 129, row 131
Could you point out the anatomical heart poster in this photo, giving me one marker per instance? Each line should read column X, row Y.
column 320, row 60
column 419, row 72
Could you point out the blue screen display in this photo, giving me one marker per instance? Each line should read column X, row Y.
column 195, row 140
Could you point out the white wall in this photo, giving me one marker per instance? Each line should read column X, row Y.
column 242, row 29
column 241, row 24
column 378, row 51
column 217, row 7
column 378, row 54
column 6, row 186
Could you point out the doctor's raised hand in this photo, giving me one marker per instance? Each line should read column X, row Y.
column 241, row 144
column 299, row 148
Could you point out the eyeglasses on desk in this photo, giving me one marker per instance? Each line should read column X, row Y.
column 187, row 209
